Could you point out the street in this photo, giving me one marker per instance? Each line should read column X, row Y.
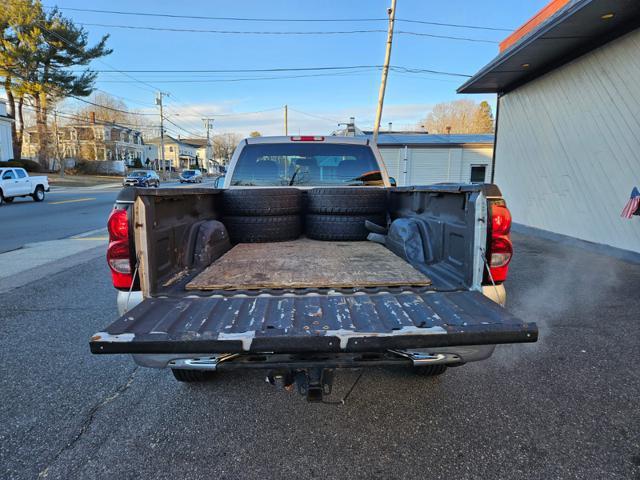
column 565, row 407
column 66, row 211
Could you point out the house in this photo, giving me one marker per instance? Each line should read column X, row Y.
column 178, row 153
column 423, row 159
column 90, row 140
column 6, row 142
column 567, row 149
column 204, row 153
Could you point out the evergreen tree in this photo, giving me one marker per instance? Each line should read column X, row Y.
column 37, row 51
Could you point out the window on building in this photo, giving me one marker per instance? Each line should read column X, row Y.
column 171, row 149
column 478, row 173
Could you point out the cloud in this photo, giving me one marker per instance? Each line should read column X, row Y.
column 301, row 120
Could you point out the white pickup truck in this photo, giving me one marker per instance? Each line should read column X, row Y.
column 16, row 182
column 307, row 260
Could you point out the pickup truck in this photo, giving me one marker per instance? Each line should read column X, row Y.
column 309, row 259
column 16, row 182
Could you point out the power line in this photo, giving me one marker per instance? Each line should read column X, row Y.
column 314, row 116
column 247, row 79
column 110, row 108
column 247, row 70
column 59, row 37
column 321, row 32
column 301, row 20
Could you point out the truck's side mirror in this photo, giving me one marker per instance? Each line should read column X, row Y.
column 392, row 182
column 219, row 183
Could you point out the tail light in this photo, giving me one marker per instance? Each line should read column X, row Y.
column 500, row 248
column 306, row 138
column 118, row 251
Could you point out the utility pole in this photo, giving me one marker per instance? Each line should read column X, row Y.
column 55, row 133
column 286, row 120
column 385, row 70
column 159, row 96
column 208, row 122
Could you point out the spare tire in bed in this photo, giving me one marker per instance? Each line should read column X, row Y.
column 262, row 201
column 341, row 227
column 346, row 200
column 263, row 229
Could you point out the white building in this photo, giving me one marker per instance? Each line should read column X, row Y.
column 568, row 120
column 6, row 142
column 423, row 159
column 178, row 154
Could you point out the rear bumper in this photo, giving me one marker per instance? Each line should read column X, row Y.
column 445, row 356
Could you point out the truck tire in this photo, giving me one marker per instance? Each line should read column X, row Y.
column 345, row 201
column 263, row 229
column 341, row 227
column 38, row 194
column 430, row 370
column 262, row 202
column 190, row 376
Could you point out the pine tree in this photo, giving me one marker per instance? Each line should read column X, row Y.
column 37, row 50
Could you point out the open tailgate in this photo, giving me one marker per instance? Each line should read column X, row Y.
column 312, row 323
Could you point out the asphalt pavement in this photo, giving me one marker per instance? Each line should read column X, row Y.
column 66, row 211
column 566, row 407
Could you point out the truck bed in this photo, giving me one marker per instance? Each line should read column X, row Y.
column 306, row 263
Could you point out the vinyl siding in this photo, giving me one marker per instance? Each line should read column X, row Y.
column 427, row 165
column 568, row 146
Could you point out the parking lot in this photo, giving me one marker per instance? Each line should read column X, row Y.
column 565, row 407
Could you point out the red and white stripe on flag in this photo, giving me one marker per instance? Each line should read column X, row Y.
column 632, row 205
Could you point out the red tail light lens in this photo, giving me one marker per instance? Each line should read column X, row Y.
column 118, row 253
column 118, row 225
column 500, row 219
column 500, row 246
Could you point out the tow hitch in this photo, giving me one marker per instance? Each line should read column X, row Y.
column 313, row 383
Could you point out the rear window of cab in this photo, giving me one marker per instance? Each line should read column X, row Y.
column 299, row 164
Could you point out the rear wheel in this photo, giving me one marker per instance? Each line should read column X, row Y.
column 190, row 376
column 430, row 370
column 38, row 195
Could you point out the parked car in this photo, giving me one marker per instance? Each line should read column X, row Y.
column 16, row 182
column 142, row 178
column 299, row 266
column 191, row 176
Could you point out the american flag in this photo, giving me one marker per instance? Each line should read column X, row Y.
column 632, row 205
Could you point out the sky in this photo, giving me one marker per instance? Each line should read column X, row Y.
column 316, row 103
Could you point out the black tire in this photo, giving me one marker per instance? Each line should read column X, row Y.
column 340, row 227
column 8, row 199
column 38, row 194
column 348, row 200
column 430, row 370
column 263, row 229
column 262, row 202
column 190, row 376
column 1, row 198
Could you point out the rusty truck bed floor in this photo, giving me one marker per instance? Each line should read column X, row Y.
column 305, row 263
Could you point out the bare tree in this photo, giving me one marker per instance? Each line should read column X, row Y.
column 459, row 116
column 224, row 146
